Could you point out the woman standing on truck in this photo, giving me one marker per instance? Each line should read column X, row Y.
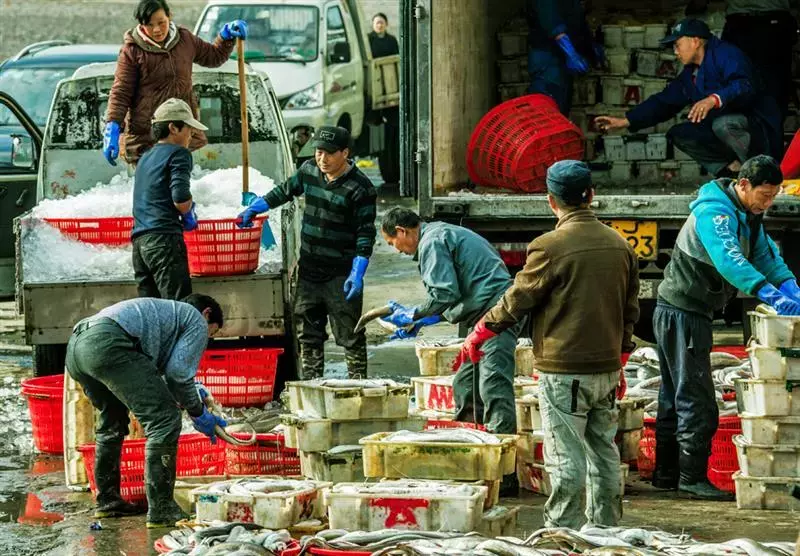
column 155, row 63
column 380, row 42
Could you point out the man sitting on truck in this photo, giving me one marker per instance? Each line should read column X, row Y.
column 141, row 355
column 336, row 239
column 730, row 119
column 721, row 248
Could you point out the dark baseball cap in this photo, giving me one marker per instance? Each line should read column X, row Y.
column 570, row 181
column 331, row 138
column 687, row 28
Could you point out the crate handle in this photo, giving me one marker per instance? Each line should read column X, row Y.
column 37, row 396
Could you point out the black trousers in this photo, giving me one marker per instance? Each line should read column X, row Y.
column 161, row 266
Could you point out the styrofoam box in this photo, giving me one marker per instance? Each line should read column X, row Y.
column 771, row 330
column 584, row 91
column 614, row 148
column 775, row 363
column 635, row 149
column 649, row 172
column 343, row 400
column 656, row 147
column 292, row 501
column 309, row 434
column 438, row 460
column 513, row 43
column 530, row 447
column 628, row 443
column 612, row 36
column 621, row 171
column 405, row 504
column 631, row 414
column 766, row 398
column 653, row 34
column 765, row 493
column 499, row 521
column 764, row 460
column 771, row 430
column 613, row 90
column 619, row 61
column 436, row 356
column 535, row 478
column 342, row 464
column 651, row 63
column 633, row 37
column 529, row 417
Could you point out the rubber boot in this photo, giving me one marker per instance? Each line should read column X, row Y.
column 356, row 359
column 693, row 481
column 666, row 472
column 509, row 487
column 159, row 483
column 107, row 479
column 313, row 360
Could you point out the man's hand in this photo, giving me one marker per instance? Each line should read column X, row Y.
column 401, row 316
column 206, row 422
column 256, row 207
column 701, row 109
column 773, row 297
column 189, row 219
column 622, row 386
column 354, row 284
column 610, row 123
column 471, row 349
column 411, row 332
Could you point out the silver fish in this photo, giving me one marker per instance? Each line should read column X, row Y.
column 370, row 316
column 215, row 409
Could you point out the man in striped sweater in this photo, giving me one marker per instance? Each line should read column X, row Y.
column 336, row 242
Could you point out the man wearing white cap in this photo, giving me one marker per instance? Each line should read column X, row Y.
column 163, row 206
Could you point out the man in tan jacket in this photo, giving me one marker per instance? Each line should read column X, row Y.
column 580, row 286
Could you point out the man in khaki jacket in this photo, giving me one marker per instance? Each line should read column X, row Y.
column 580, row 285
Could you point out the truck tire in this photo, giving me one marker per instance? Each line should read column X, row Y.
column 643, row 328
column 48, row 359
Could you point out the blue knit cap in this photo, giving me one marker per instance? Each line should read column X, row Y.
column 570, row 181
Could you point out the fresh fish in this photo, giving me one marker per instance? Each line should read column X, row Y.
column 238, row 549
column 721, row 359
column 371, row 315
column 216, row 409
column 467, row 436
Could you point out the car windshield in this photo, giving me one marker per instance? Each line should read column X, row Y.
column 274, row 32
column 33, row 88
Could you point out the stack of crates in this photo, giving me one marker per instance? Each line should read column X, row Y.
column 769, row 407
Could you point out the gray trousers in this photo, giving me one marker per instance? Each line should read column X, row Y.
column 714, row 143
column 579, row 418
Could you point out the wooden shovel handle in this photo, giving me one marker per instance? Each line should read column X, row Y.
column 245, row 127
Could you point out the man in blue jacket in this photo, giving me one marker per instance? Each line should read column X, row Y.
column 729, row 120
column 721, row 248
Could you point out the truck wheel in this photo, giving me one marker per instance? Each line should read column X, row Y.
column 644, row 326
column 48, row 359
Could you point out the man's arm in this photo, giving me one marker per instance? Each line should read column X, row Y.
column 767, row 260
column 182, row 365
column 738, row 90
column 365, row 213
column 631, row 314
column 285, row 192
column 180, row 171
column 660, row 106
column 439, row 277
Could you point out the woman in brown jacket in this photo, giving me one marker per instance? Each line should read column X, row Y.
column 155, row 63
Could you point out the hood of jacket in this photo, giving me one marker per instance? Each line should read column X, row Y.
column 137, row 36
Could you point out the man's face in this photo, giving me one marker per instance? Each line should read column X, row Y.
column 686, row 49
column 213, row 327
column 182, row 136
column 757, row 200
column 404, row 240
column 331, row 162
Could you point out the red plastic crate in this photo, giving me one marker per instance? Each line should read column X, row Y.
column 221, row 248
column 722, row 479
column 268, row 456
column 442, row 424
column 515, row 142
column 196, row 457
column 646, row 458
column 319, row 551
column 100, row 231
column 242, row 377
column 46, row 405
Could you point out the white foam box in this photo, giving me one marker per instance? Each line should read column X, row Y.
column 691, row 170
column 535, row 478
column 457, row 461
column 508, row 91
column 529, row 416
column 619, row 61
column 513, row 70
column 436, row 356
column 530, row 447
column 656, row 147
column 499, row 521
column 633, row 37
column 342, row 464
column 405, row 504
column 621, row 171
column 767, row 398
column 584, row 91
column 771, row 430
column 771, row 330
column 614, row 148
column 649, row 172
column 653, row 33
column 766, row 460
column 612, row 36
column 631, row 413
column 774, row 363
column 343, row 400
column 650, row 63
column 513, row 43
column 635, row 148
column 628, row 444
column 309, row 434
column 291, row 501
column 765, row 493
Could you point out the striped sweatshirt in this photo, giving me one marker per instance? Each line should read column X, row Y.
column 338, row 221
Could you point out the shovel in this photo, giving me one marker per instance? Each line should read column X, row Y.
column 267, row 239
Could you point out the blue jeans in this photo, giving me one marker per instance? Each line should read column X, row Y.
column 549, row 76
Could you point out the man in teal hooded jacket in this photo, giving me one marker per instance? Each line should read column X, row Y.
column 721, row 248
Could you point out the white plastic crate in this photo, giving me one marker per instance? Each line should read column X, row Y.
column 343, row 400
column 513, row 43
column 765, row 493
column 499, row 521
column 619, row 61
column 535, row 478
column 613, row 91
column 530, row 447
column 771, row 430
column 651, row 63
column 635, row 149
column 612, row 36
column 633, row 37
column 764, row 460
column 280, row 505
column 691, row 170
column 436, row 356
column 584, row 91
column 309, row 434
column 513, row 70
column 631, row 414
column 437, row 392
column 405, row 504
column 653, row 34
column 649, row 172
column 342, row 464
column 508, row 91
column 771, row 330
column 775, row 363
column 767, row 398
column 621, row 171
column 458, row 461
column 652, row 86
column 628, row 444
column 614, row 148
column 656, row 147
column 529, row 417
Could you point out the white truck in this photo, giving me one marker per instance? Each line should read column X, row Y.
column 318, row 57
column 256, row 305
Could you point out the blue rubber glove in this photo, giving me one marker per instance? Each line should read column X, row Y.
column 401, row 316
column 790, row 289
column 234, row 30
column 202, row 391
column 406, row 333
column 575, row 62
column 354, row 284
column 784, row 305
column 111, row 142
column 206, row 422
column 189, row 219
column 256, row 207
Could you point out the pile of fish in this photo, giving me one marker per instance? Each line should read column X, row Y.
column 228, row 539
column 244, row 419
column 16, row 433
column 465, row 436
column 246, row 487
column 644, row 377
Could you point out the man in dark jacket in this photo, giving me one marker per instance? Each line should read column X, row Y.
column 336, row 242
column 580, row 284
column 720, row 249
column 729, row 120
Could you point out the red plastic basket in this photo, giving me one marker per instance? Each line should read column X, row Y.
column 441, row 424
column 221, row 248
column 722, row 479
column 46, row 402
column 515, row 142
column 646, row 458
column 240, row 377
column 318, row 551
column 102, row 231
column 196, row 457
column 268, row 456
column 723, row 451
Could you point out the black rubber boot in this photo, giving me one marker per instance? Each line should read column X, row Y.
column 356, row 359
column 313, row 361
column 159, row 483
column 666, row 472
column 107, row 479
column 509, row 487
column 694, row 482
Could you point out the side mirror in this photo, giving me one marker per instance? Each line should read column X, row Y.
column 340, row 54
column 23, row 154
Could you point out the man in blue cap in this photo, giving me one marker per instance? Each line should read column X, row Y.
column 580, row 285
column 730, row 118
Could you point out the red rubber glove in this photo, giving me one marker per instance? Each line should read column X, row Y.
column 471, row 348
column 622, row 387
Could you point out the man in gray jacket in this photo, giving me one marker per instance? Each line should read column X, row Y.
column 141, row 355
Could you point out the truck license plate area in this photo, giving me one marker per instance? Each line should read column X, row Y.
column 642, row 235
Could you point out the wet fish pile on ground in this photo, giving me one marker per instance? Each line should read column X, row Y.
column 229, row 539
